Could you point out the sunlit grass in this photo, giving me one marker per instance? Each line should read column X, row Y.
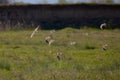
column 25, row 58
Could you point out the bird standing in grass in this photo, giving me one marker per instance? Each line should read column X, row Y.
column 59, row 55
column 49, row 39
column 72, row 43
column 52, row 31
column 104, row 47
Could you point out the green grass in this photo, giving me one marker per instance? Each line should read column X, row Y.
column 25, row 58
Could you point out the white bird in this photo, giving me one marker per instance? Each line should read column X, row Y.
column 36, row 30
column 102, row 25
column 59, row 55
column 52, row 31
column 49, row 40
column 72, row 43
column 105, row 46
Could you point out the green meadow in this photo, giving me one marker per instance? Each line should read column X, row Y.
column 25, row 58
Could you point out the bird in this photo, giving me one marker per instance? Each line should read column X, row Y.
column 72, row 43
column 102, row 25
column 36, row 30
column 104, row 47
column 49, row 40
column 59, row 55
column 52, row 31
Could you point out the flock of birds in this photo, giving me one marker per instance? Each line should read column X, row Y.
column 49, row 39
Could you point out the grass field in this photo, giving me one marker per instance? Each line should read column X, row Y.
column 25, row 58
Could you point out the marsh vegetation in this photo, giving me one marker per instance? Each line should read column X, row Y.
column 25, row 58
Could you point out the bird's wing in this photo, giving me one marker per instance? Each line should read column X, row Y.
column 36, row 29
